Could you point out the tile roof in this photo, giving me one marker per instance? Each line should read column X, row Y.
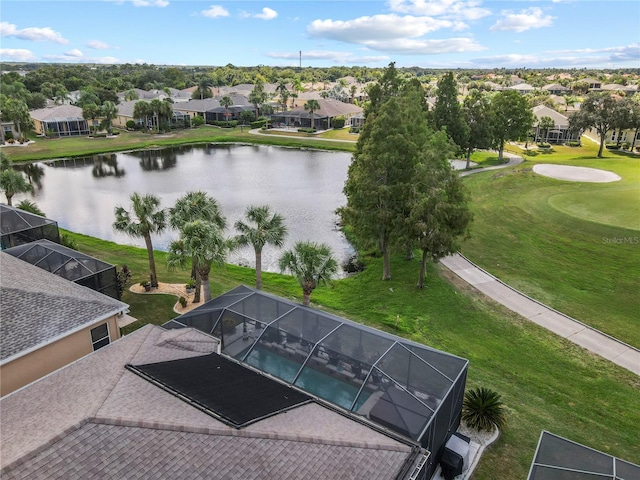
column 115, row 424
column 38, row 306
column 61, row 111
column 543, row 111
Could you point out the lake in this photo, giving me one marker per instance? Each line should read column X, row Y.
column 305, row 186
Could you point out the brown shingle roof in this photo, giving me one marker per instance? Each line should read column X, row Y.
column 96, row 418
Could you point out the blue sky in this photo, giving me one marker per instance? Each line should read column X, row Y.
column 423, row 33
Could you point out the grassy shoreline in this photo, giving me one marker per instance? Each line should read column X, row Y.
column 546, row 382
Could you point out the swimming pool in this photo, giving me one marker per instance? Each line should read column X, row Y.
column 310, row 380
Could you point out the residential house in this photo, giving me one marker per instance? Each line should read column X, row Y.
column 196, row 107
column 559, row 133
column 626, row 90
column 107, row 416
column 48, row 322
column 322, row 118
column 522, row 88
column 8, row 130
column 594, row 84
column 126, row 113
column 558, row 458
column 60, row 121
column 556, row 89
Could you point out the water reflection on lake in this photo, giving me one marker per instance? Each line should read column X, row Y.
column 305, row 186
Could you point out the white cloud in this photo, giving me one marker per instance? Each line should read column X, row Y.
column 215, row 11
column 98, row 45
column 17, row 55
column 110, row 60
column 35, row 34
column 74, row 53
column 334, row 56
column 460, row 9
column 406, row 46
column 377, row 28
column 582, row 58
column 267, row 14
column 150, row 3
column 522, row 21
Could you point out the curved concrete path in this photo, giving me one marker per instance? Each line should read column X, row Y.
column 583, row 335
column 587, row 337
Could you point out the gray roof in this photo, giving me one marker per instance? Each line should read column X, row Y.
column 122, row 426
column 38, row 307
column 556, row 87
column 55, row 113
column 543, row 111
column 197, row 105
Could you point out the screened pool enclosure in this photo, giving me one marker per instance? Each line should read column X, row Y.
column 405, row 387
column 18, row 227
column 557, row 458
column 70, row 264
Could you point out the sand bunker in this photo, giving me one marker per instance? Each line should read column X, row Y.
column 575, row 174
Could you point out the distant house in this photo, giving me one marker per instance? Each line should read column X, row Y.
column 322, row 118
column 593, row 83
column 126, row 113
column 559, row 133
column 522, row 88
column 556, row 89
column 60, row 121
column 48, row 322
column 7, row 130
column 196, row 107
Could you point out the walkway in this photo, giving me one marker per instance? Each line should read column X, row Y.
column 587, row 337
column 593, row 340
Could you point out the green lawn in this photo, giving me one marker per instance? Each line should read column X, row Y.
column 44, row 149
column 574, row 246
column 546, row 382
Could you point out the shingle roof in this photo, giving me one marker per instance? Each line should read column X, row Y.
column 543, row 111
column 122, row 426
column 61, row 111
column 38, row 306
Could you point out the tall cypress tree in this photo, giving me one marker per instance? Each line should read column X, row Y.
column 447, row 112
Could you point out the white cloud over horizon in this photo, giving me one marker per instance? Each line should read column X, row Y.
column 98, row 45
column 17, row 55
column 459, row 9
column 34, row 34
column 522, row 21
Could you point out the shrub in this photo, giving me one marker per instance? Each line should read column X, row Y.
column 338, row 122
column 544, row 145
column 8, row 136
column 130, row 124
column 574, row 144
column 258, row 123
column 68, row 242
column 183, row 302
column 482, row 410
column 307, row 130
column 612, row 146
column 354, row 130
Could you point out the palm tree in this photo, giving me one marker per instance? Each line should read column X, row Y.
column 483, row 410
column 282, row 90
column 12, row 182
column 109, row 112
column 193, row 206
column 203, row 85
column 268, row 229
column 203, row 242
column 312, row 264
column 31, row 207
column 146, row 218
column 17, row 111
column 226, row 102
column 90, row 112
column 142, row 110
column 312, row 106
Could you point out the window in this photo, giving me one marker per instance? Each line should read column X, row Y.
column 100, row 336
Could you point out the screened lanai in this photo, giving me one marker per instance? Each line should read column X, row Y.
column 70, row 264
column 18, row 227
column 557, row 458
column 408, row 388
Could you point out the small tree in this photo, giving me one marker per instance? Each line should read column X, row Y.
column 145, row 218
column 109, row 111
column 482, row 410
column 264, row 229
column 312, row 264
column 13, row 182
column 312, row 106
